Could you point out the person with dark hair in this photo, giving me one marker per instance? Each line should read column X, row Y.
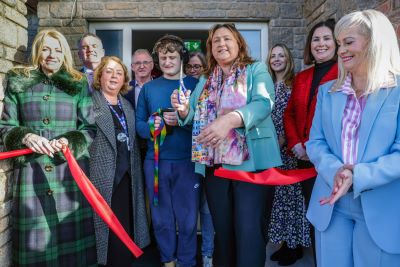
column 320, row 50
column 288, row 224
column 173, row 186
column 115, row 165
column 46, row 106
column 355, row 146
column 196, row 64
column 90, row 51
column 230, row 111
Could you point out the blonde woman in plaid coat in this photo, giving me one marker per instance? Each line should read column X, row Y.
column 46, row 105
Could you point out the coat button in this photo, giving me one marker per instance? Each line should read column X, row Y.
column 49, row 192
column 48, row 168
column 46, row 97
column 46, row 121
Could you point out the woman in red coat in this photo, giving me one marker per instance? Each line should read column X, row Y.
column 320, row 51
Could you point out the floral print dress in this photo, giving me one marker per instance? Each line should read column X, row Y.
column 288, row 222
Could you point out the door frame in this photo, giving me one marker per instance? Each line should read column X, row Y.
column 128, row 27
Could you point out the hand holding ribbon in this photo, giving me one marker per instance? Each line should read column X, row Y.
column 39, row 144
column 90, row 192
column 158, row 132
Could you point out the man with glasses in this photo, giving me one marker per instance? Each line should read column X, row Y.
column 142, row 65
column 90, row 52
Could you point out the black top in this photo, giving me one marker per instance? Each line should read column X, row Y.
column 123, row 155
column 320, row 69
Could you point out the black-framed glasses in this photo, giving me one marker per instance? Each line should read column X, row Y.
column 139, row 63
column 195, row 67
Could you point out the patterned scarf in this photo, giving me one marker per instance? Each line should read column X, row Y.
column 218, row 98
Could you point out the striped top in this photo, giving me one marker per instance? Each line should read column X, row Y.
column 351, row 121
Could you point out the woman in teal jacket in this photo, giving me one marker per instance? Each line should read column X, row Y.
column 232, row 127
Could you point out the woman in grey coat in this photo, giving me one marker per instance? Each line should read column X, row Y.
column 115, row 166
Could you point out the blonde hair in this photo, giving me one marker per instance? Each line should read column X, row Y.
column 382, row 52
column 288, row 75
column 99, row 70
column 37, row 47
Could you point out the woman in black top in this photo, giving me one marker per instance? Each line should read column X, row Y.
column 115, row 167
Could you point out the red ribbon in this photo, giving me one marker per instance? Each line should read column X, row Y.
column 273, row 176
column 93, row 196
column 15, row 153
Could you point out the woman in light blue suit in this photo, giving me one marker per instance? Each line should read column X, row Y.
column 355, row 146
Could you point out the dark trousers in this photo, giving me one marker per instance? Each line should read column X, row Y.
column 121, row 203
column 238, row 214
column 179, row 197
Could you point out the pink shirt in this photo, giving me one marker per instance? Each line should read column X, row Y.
column 351, row 121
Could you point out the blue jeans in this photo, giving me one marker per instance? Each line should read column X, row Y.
column 207, row 228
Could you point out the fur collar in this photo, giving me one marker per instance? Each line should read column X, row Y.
column 18, row 82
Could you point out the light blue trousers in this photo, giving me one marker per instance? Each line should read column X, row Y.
column 347, row 243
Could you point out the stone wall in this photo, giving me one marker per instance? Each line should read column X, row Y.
column 288, row 20
column 392, row 9
column 285, row 17
column 317, row 10
column 13, row 44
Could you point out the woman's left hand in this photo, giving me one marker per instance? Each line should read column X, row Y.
column 215, row 133
column 342, row 183
column 57, row 144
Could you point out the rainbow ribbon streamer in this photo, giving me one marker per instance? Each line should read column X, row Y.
column 182, row 88
column 158, row 137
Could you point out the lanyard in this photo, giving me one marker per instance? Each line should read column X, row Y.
column 121, row 119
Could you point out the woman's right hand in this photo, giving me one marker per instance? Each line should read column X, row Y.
column 38, row 144
column 183, row 106
column 300, row 152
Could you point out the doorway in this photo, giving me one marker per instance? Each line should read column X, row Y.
column 123, row 38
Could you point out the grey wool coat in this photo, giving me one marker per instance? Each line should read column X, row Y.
column 103, row 155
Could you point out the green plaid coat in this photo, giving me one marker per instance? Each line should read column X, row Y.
column 52, row 223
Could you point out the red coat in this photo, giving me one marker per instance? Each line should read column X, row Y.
column 298, row 117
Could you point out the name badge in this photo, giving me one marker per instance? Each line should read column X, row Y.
column 122, row 137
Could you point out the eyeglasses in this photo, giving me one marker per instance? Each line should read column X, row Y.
column 139, row 63
column 195, row 67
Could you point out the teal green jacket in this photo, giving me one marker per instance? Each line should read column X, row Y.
column 258, row 128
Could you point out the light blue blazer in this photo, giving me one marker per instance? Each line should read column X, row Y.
column 258, row 128
column 376, row 178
